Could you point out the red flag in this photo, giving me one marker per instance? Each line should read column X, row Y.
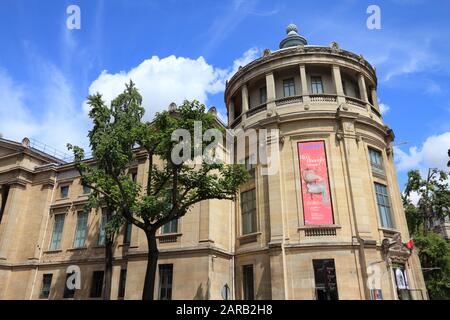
column 410, row 244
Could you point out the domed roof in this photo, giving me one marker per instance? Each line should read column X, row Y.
column 292, row 39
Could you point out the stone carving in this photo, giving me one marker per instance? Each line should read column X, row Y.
column 334, row 46
column 266, row 53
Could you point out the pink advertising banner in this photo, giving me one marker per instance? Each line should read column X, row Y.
column 317, row 208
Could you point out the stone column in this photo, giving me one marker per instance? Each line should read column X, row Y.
column 337, row 80
column 230, row 112
column 362, row 88
column 276, row 216
column 271, row 94
column 15, row 205
column 270, row 85
column 373, row 92
column 244, row 91
column 304, row 82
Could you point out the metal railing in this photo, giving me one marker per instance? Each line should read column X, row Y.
column 53, row 152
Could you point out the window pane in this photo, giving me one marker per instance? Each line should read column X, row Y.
column 325, row 279
column 122, row 283
column 376, row 160
column 316, row 85
column 102, row 230
column 80, row 233
column 262, row 95
column 64, row 191
column 248, row 211
column 97, row 284
column 170, row 227
column 289, row 87
column 384, row 208
column 86, row 190
column 46, row 285
column 249, row 292
column 57, row 232
column 127, row 234
column 165, row 281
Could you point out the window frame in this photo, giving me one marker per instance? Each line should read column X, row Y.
column 251, row 211
column 63, row 195
column 52, row 239
column 376, row 167
column 170, row 227
column 248, row 285
column 315, row 85
column 46, row 294
column 166, row 285
column 101, row 241
column 97, row 283
column 122, row 284
column 289, row 84
column 76, row 244
column 333, row 293
column 386, row 204
column 127, row 233
column 263, row 95
column 86, row 190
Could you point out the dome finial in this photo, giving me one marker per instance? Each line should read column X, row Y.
column 292, row 39
column 291, row 27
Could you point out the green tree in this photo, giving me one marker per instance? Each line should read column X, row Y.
column 433, row 205
column 171, row 188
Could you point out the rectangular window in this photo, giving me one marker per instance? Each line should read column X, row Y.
column 384, row 208
column 55, row 244
column 262, row 95
column 86, row 190
column 46, row 285
column 249, row 292
column 376, row 160
column 248, row 211
column 81, row 230
column 325, row 279
column 64, row 192
column 97, row 284
column 165, row 281
column 170, row 227
column 289, row 87
column 102, row 229
column 127, row 233
column 122, row 282
column 316, row 85
column 68, row 293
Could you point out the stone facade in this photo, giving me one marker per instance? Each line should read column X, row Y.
column 209, row 248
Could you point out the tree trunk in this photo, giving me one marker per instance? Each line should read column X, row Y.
column 152, row 263
column 108, row 269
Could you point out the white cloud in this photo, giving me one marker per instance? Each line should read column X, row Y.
column 384, row 108
column 172, row 79
column 432, row 154
column 52, row 117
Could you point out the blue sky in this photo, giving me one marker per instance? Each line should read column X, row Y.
column 187, row 49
